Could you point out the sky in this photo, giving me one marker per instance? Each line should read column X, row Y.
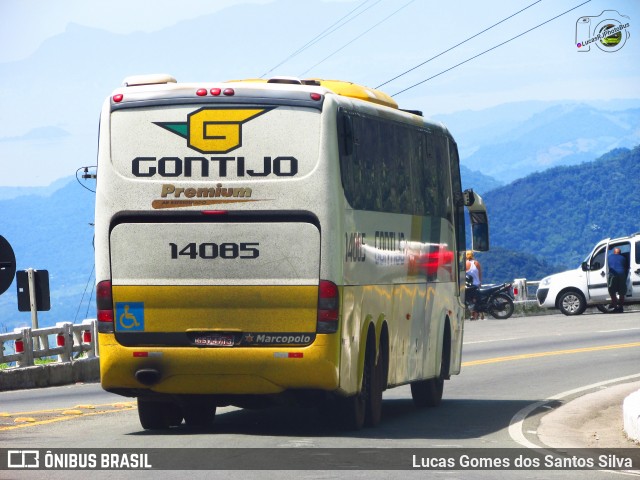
column 25, row 24
column 448, row 57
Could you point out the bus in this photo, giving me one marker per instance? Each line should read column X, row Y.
column 276, row 242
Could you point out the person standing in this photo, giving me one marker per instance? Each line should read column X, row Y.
column 617, row 278
column 474, row 270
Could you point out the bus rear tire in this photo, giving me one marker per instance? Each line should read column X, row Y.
column 373, row 413
column 355, row 410
column 155, row 415
column 199, row 413
column 427, row 393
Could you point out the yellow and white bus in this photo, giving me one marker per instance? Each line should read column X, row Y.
column 274, row 241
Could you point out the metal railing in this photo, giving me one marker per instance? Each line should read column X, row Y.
column 30, row 344
column 526, row 290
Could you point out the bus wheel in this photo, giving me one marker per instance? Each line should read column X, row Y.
column 353, row 410
column 176, row 416
column 199, row 413
column 427, row 393
column 155, row 415
column 373, row 412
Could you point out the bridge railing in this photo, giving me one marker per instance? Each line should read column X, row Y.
column 30, row 344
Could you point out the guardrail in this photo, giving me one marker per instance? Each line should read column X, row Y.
column 525, row 290
column 29, row 344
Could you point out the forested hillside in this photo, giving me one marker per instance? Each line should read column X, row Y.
column 477, row 181
column 558, row 215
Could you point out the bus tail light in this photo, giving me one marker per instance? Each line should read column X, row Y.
column 328, row 307
column 104, row 301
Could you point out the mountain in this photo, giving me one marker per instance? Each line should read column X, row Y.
column 478, row 181
column 516, row 139
column 500, row 265
column 567, row 134
column 52, row 232
column 558, row 215
column 7, row 193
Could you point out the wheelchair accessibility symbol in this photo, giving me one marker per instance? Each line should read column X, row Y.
column 130, row 316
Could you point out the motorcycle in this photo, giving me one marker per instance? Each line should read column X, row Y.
column 495, row 300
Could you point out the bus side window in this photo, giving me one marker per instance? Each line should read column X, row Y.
column 345, row 135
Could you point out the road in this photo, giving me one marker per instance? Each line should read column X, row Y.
column 515, row 373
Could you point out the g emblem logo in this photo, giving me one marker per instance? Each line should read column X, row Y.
column 217, row 130
column 214, row 130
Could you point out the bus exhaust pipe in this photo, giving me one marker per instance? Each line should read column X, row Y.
column 148, row 376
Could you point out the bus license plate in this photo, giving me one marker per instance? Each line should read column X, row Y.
column 214, row 340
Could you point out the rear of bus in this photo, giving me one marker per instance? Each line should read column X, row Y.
column 211, row 203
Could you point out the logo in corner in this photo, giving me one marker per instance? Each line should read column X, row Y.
column 608, row 31
column 214, row 130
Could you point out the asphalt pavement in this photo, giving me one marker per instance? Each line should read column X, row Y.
column 594, row 420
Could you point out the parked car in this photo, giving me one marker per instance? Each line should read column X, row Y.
column 574, row 290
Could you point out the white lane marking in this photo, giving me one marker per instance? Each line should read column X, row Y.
column 620, row 330
column 544, row 336
column 493, row 340
column 517, row 421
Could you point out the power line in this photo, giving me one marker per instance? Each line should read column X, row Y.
column 488, row 50
column 455, row 46
column 83, row 294
column 359, row 36
column 325, row 33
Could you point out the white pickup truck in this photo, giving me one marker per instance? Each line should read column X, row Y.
column 574, row 290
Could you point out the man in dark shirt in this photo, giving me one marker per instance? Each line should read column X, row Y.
column 617, row 280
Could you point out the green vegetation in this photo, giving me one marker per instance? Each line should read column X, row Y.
column 37, row 361
column 45, row 360
column 500, row 265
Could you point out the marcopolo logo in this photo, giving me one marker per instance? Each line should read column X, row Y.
column 214, row 130
column 608, row 31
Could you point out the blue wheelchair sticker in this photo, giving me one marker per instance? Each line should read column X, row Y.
column 129, row 316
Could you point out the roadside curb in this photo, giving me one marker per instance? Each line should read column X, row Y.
column 631, row 416
column 594, row 420
column 52, row 374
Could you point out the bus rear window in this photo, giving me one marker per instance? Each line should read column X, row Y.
column 215, row 142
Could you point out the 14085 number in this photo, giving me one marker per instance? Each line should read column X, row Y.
column 209, row 251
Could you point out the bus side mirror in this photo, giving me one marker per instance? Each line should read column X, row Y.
column 479, row 220
column 479, row 232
